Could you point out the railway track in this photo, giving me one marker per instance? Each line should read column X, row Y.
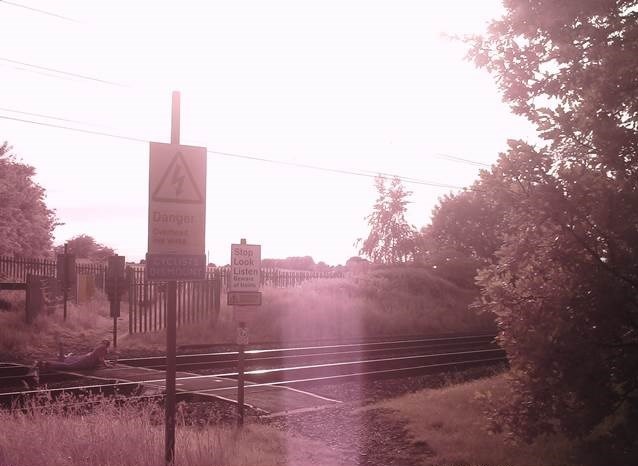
column 308, row 355
column 298, row 366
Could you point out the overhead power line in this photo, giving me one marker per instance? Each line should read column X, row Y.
column 42, row 115
column 62, row 72
column 454, row 158
column 363, row 173
column 78, row 130
column 37, row 10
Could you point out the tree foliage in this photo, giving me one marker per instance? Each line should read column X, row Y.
column 26, row 224
column 463, row 235
column 562, row 278
column 85, row 247
column 570, row 67
column 391, row 238
column 295, row 263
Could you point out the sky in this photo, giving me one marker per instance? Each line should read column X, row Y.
column 269, row 88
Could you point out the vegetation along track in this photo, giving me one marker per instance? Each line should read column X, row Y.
column 311, row 365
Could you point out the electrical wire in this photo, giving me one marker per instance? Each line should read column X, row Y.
column 242, row 156
column 42, row 115
column 455, row 158
column 64, row 73
column 37, row 10
column 70, row 128
column 364, row 173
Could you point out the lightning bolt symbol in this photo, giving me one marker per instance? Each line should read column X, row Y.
column 178, row 180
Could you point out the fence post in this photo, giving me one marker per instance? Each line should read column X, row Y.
column 217, row 290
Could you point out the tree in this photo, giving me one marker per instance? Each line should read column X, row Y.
column 564, row 282
column 462, row 236
column 356, row 262
column 391, row 238
column 26, row 224
column 292, row 263
column 85, row 247
column 570, row 68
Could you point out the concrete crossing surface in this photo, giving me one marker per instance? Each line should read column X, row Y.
column 269, row 399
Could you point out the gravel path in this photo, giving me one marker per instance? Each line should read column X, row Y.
column 365, row 437
column 362, row 434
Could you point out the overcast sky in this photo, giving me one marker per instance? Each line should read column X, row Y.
column 360, row 86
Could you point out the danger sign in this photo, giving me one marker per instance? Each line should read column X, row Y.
column 176, row 211
column 177, row 202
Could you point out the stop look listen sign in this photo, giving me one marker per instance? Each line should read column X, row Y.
column 245, row 275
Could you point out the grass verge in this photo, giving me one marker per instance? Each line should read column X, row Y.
column 379, row 302
column 388, row 301
column 452, row 421
column 84, row 327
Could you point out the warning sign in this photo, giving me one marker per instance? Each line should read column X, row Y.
column 245, row 267
column 177, row 199
column 176, row 212
column 178, row 185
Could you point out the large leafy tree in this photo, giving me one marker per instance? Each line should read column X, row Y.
column 463, row 235
column 391, row 238
column 85, row 247
column 564, row 280
column 26, row 224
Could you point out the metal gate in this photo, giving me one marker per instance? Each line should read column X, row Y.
column 197, row 300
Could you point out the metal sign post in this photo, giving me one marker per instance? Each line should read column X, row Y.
column 245, row 270
column 65, row 282
column 242, row 341
column 176, row 232
column 171, row 325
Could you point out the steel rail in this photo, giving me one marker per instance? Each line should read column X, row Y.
column 293, row 376
column 361, row 358
column 274, row 355
column 258, row 358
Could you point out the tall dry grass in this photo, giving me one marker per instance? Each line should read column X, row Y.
column 130, row 435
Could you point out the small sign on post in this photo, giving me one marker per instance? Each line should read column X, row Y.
column 242, row 335
column 115, row 281
column 243, row 290
column 243, row 298
column 245, row 274
column 66, row 275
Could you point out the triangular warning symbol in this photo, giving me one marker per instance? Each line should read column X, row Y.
column 177, row 184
